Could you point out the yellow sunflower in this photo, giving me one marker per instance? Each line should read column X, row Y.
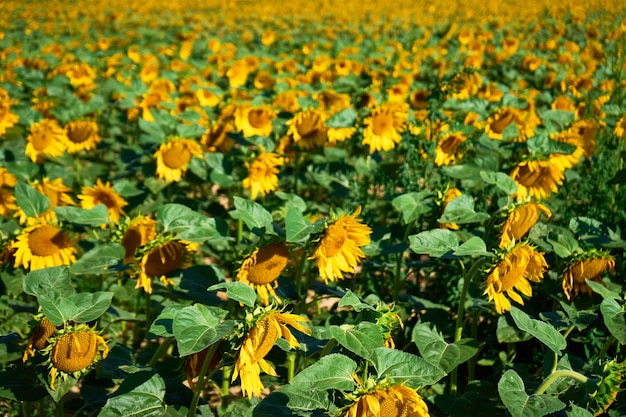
column 447, row 150
column 268, row 327
column 72, row 350
column 519, row 222
column 173, row 157
column 46, row 139
column 388, row 401
column 82, row 135
column 137, row 232
column 537, row 178
column 253, row 121
column 237, row 74
column 339, row 134
column 216, row 138
column 6, row 178
column 262, row 174
column 307, row 129
column 339, row 249
column 620, row 128
column 8, row 203
column 513, row 271
column 261, row 269
column 103, row 194
column 160, row 258
column 38, row 339
column 450, row 195
column 7, row 119
column 384, row 125
column 590, row 266
column 43, row 245
column 500, row 120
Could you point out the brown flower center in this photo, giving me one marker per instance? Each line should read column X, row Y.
column 268, row 264
column 79, row 132
column 258, row 118
column 47, row 240
column 382, row 123
column 164, row 259
column 75, row 351
column 502, row 121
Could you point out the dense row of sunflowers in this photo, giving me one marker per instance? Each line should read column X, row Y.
column 312, row 209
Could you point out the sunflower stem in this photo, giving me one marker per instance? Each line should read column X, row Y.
column 225, row 388
column 239, row 231
column 330, row 345
column 59, row 412
column 291, row 365
column 560, row 374
column 200, row 385
column 605, row 348
column 160, row 351
column 26, row 409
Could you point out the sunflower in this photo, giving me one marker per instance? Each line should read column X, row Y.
column 339, row 249
column 519, row 222
column 591, row 265
column 261, row 269
column 103, row 194
column 500, row 120
column 537, row 178
column 137, row 232
column 307, row 129
column 513, row 272
column 339, row 134
column 451, row 194
column 384, row 125
column 620, row 128
column 6, row 178
column 447, row 150
column 253, row 121
column 161, row 257
column 216, row 138
column 237, row 74
column 46, row 139
column 57, row 194
column 43, row 245
column 267, row 328
column 384, row 400
column 38, row 339
column 8, row 203
column 262, row 174
column 7, row 119
column 82, row 135
column 173, row 157
column 72, row 350
column 194, row 362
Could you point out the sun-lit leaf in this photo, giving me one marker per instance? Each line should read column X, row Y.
column 547, row 334
column 400, row 366
column 330, row 372
column 197, row 327
column 436, row 243
column 513, row 394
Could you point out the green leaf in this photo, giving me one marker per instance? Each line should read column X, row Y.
column 512, row 391
column 577, row 411
column 30, row 200
column 556, row 120
column 330, row 372
column 292, row 200
column 197, row 327
column 289, row 401
column 47, row 281
column 90, row 306
column 58, row 310
column 614, row 318
column 350, row 299
column 361, row 339
column 152, row 129
column 297, row 227
column 507, row 333
column 412, row 205
column 500, row 180
column 547, row 334
column 440, row 353
column 474, row 246
column 191, row 225
column 601, row 290
column 436, row 243
column 96, row 216
column 461, row 211
column 594, row 231
column 404, row 367
column 237, row 291
column 344, row 118
column 254, row 215
column 99, row 259
column 163, row 325
column 543, row 145
column 140, row 395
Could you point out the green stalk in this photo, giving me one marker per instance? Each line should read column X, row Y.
column 200, row 385
column 560, row 374
column 330, row 345
column 471, row 365
column 160, row 351
column 291, row 365
column 26, row 409
column 226, row 373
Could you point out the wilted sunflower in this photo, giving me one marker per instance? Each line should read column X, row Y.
column 537, row 178
column 43, row 245
column 591, row 265
column 38, row 339
column 161, row 257
column 46, row 139
column 135, row 233
column 261, row 269
column 339, row 249
column 447, row 150
column 72, row 350
column 384, row 400
column 216, row 138
column 384, row 125
column 307, row 129
column 253, row 121
column 103, row 194
column 520, row 220
column 173, row 157
column 513, row 272
column 267, row 328
column 82, row 135
column 262, row 174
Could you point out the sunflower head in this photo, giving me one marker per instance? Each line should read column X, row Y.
column 384, row 125
column 161, row 257
column 82, row 135
column 263, row 174
column 612, row 377
column 261, row 269
column 43, row 245
column 38, row 340
column 173, row 156
column 589, row 265
column 384, row 400
column 103, row 193
column 72, row 350
column 520, row 220
column 135, row 233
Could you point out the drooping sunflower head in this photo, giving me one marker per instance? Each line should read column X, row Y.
column 448, row 149
column 520, row 220
column 38, row 340
column 590, row 265
column 103, row 193
column 500, row 120
column 161, row 257
column 43, row 245
column 384, row 125
column 537, row 178
column 136, row 233
column 384, row 400
column 513, row 271
column 173, row 156
column 216, row 138
column 308, row 129
column 261, row 269
column 72, row 350
column 339, row 248
column 82, row 135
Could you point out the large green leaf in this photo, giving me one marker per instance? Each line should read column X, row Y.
column 163, row 325
column 197, row 327
column 191, row 225
column 547, row 334
column 140, row 395
column 331, row 372
column 297, row 227
column 513, row 395
column 461, row 211
column 49, row 281
column 614, row 318
column 361, row 339
column 436, row 243
column 96, row 216
column 344, row 118
column 501, row 180
column 474, row 246
column 99, row 259
column 404, row 367
column 31, row 201
column 440, row 353
column 238, row 291
column 412, row 205
column 290, row 401
column 254, row 215
column 79, row 307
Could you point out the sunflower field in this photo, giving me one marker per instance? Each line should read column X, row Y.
column 304, row 209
